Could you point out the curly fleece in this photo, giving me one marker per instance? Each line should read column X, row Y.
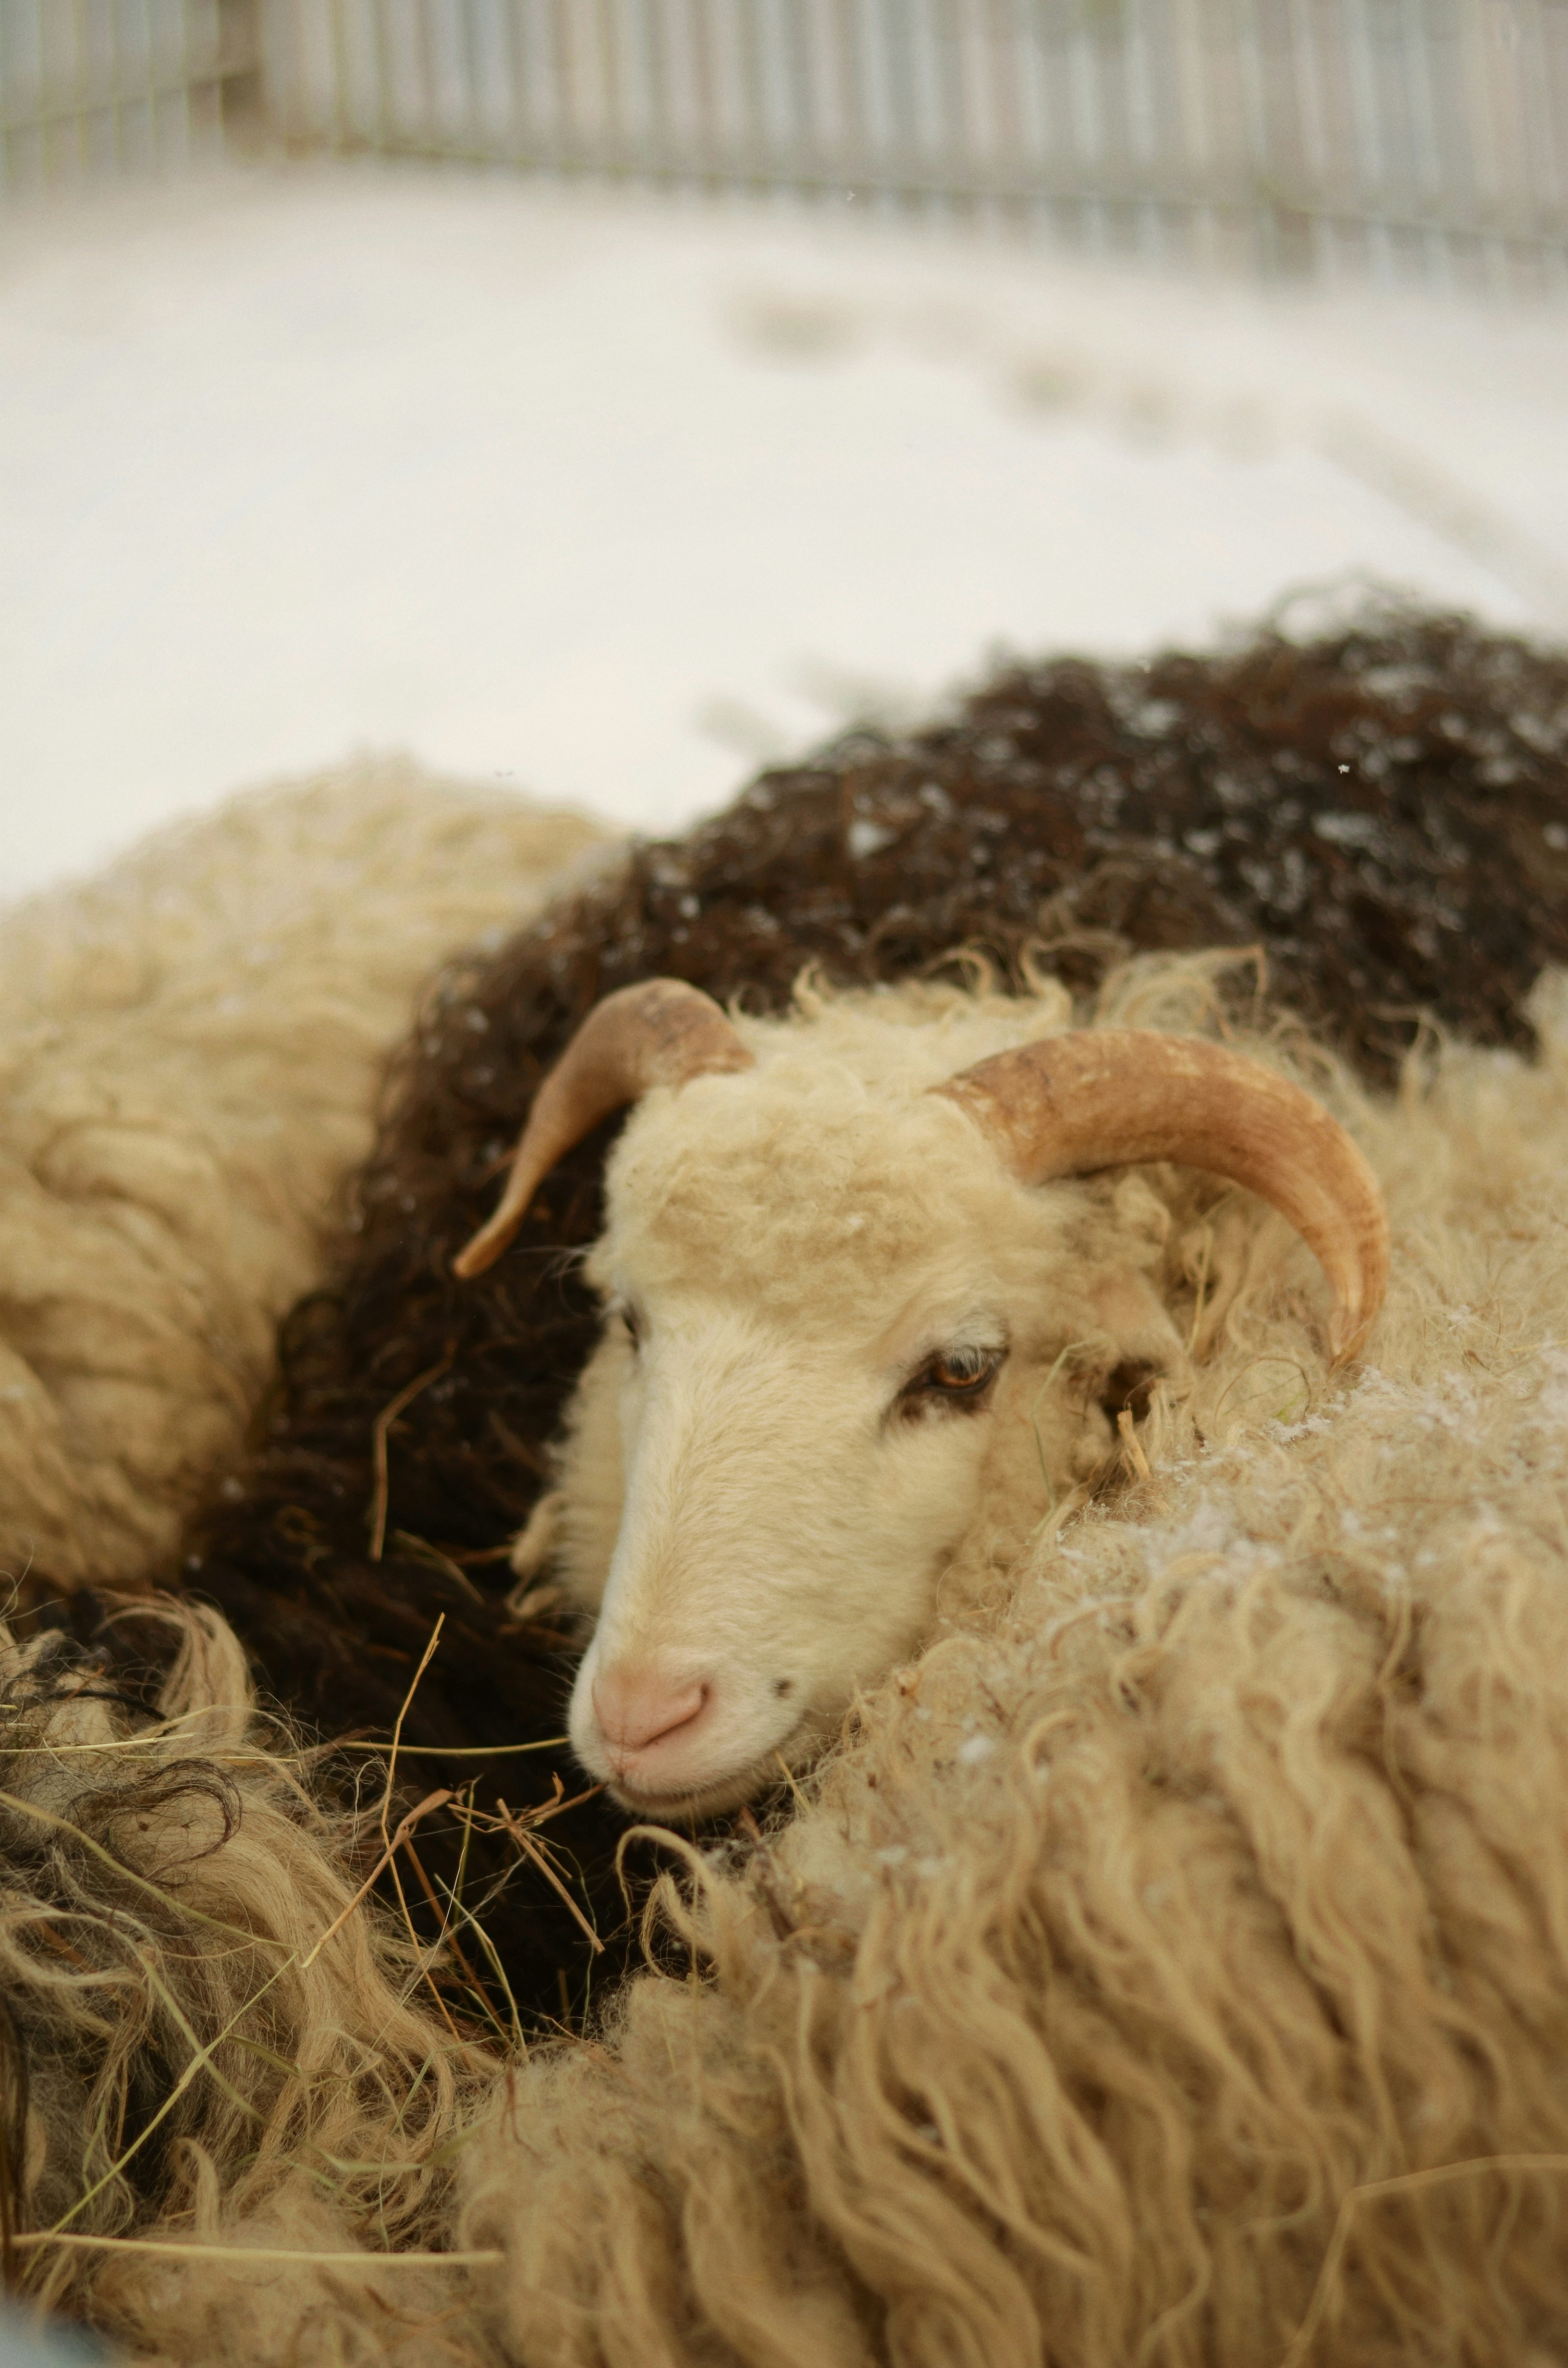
column 1382, row 808
column 189, row 1054
column 1150, row 1926
column 1132, row 1936
column 202, row 2037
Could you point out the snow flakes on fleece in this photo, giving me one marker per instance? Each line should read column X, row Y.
column 1075, row 2044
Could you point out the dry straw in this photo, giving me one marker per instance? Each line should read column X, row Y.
column 214, row 2040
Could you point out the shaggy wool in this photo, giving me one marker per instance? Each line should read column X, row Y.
column 1205, row 1876
column 205, row 2033
column 1172, row 1965
column 1169, row 1967
column 191, row 1049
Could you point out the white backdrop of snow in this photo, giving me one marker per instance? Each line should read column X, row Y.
column 608, row 498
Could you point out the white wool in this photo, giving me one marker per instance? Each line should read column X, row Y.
column 189, row 1054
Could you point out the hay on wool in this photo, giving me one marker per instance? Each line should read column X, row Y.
column 1380, row 808
column 215, row 2050
column 1172, row 1967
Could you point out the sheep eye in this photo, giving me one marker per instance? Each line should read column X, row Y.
column 633, row 1330
column 956, row 1376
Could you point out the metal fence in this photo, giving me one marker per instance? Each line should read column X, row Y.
column 90, row 88
column 1407, row 137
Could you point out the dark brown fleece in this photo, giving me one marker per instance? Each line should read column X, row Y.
column 1385, row 811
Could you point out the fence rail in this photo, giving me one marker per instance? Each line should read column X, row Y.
column 91, row 88
column 1409, row 137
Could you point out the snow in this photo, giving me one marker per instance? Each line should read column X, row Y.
column 608, row 498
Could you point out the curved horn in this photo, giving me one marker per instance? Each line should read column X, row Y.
column 660, row 1033
column 1095, row 1098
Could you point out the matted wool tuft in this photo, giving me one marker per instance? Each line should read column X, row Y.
column 209, row 2037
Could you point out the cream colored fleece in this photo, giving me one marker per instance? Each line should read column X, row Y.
column 189, row 1052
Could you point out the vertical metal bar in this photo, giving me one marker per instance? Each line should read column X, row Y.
column 1105, row 123
column 7, row 82
column 149, row 108
column 1144, row 144
column 469, row 59
column 154, row 101
column 1042, row 26
column 1311, row 142
column 798, row 91
column 749, row 93
column 1249, row 69
column 1028, row 114
column 1554, row 86
column 188, row 82
column 420, row 103
column 186, row 68
column 75, row 119
column 1364, row 150
column 11, row 114
column 380, row 73
column 1483, row 126
column 1339, row 188
column 1427, row 175
column 612, row 145
column 660, row 133
column 1201, row 138
column 704, row 94
column 1541, row 188
column 888, row 83
column 563, row 113
column 1086, row 128
column 337, row 104
column 851, row 83
column 1005, row 107
column 511, row 139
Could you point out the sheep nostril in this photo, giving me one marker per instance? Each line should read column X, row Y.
column 637, row 1708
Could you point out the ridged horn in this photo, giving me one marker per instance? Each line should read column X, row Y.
column 660, row 1033
column 1097, row 1098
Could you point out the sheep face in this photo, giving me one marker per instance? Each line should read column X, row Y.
column 834, row 1341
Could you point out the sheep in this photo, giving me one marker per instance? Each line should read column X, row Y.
column 1091, row 811
column 854, row 1352
column 1071, row 2007
column 1172, row 1965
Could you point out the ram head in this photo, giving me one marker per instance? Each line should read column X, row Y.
column 866, row 1323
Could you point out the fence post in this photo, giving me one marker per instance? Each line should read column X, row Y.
column 241, row 90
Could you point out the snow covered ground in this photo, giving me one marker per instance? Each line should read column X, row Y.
column 608, row 498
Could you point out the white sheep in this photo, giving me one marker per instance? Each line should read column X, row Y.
column 861, row 1335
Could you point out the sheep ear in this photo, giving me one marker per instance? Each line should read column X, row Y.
column 660, row 1033
column 1101, row 1097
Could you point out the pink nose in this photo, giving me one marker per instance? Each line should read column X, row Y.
column 639, row 1706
